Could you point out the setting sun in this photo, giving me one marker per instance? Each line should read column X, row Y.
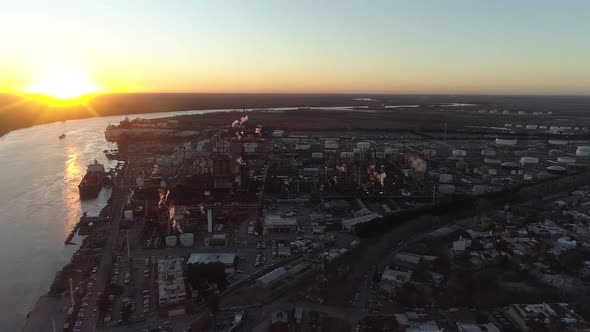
column 62, row 84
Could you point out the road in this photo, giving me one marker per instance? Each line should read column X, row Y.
column 119, row 197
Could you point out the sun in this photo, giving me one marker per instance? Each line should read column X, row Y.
column 62, row 85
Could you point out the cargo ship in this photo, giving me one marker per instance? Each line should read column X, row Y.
column 92, row 182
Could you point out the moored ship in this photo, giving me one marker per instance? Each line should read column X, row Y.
column 92, row 182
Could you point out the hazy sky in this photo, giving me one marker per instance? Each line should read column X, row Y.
column 450, row 46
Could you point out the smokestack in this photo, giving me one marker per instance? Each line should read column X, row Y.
column 210, row 220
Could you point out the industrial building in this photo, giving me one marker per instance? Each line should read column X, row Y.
column 276, row 224
column 171, row 289
column 227, row 259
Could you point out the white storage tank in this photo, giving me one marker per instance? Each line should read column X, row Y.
column 317, row 155
column 508, row 125
column 583, row 151
column 492, row 161
column 459, row 153
column 187, row 239
column 171, row 241
column 566, row 160
column 445, row 178
column 488, row 153
column 446, row 189
column 557, row 142
column 363, row 145
column 542, row 127
column 532, row 126
column 389, row 151
column 506, row 141
column 380, row 155
column 529, row 160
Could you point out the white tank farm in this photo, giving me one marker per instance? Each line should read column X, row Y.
column 557, row 142
column 556, row 170
column 128, row 215
column 488, row 153
column 566, row 160
column 446, row 189
column 445, row 178
column 492, row 161
column 529, row 160
column 532, row 126
column 506, row 141
column 317, row 155
column 459, row 153
column 363, row 145
column 187, row 239
column 171, row 241
column 583, row 151
column 478, row 190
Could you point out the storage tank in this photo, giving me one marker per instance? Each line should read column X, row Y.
column 508, row 125
column 459, row 153
column 488, row 153
column 171, row 241
column 506, row 141
column 556, row 170
column 187, row 239
column 363, row 145
column 532, row 126
column 389, row 151
column 446, row 189
column 557, row 142
column 492, row 161
column 317, row 155
column 555, row 152
column 529, row 160
column 356, row 151
column 380, row 155
column 583, row 151
column 566, row 160
column 445, row 178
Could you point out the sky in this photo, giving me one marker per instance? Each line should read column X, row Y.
column 322, row 46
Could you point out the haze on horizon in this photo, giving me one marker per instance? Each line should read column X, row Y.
column 450, row 47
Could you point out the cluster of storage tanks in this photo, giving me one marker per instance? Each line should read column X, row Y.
column 186, row 240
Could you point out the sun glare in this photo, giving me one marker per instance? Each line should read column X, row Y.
column 62, row 85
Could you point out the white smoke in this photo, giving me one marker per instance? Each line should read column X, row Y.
column 376, row 176
column 341, row 168
column 235, row 123
column 243, row 119
column 417, row 163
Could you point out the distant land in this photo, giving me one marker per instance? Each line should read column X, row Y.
column 18, row 112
